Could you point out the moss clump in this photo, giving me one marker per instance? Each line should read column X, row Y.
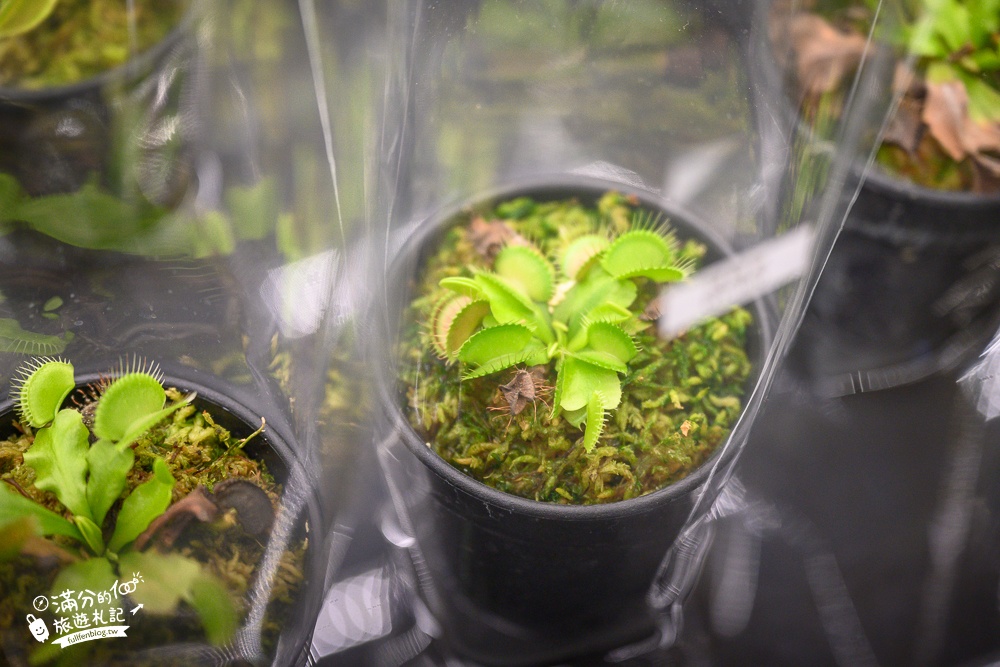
column 82, row 38
column 198, row 451
column 679, row 398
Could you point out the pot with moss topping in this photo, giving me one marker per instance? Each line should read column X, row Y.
column 547, row 448
column 912, row 286
column 161, row 504
column 74, row 84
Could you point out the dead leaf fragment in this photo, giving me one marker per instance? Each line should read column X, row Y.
column 905, row 126
column 945, row 111
column 168, row 526
column 489, row 237
column 946, row 114
column 824, row 54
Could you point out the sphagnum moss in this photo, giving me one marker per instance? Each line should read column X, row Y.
column 679, row 398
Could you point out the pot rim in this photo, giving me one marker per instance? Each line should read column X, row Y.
column 131, row 69
column 582, row 186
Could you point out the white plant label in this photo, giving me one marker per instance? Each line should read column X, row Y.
column 739, row 279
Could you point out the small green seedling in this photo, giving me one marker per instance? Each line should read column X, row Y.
column 89, row 479
column 579, row 318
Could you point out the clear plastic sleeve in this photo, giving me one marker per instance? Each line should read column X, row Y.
column 559, row 332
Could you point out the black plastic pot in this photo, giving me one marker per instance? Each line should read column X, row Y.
column 517, row 582
column 238, row 411
column 54, row 139
column 912, row 286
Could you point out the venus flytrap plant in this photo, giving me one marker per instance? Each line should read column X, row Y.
column 578, row 317
column 89, row 478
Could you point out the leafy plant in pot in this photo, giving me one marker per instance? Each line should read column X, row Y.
column 118, row 511
column 911, row 286
column 66, row 66
column 552, row 445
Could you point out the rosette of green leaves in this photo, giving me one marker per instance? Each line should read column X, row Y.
column 88, row 479
column 578, row 318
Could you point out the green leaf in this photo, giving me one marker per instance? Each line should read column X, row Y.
column 496, row 365
column 40, row 390
column 500, row 341
column 15, row 506
column 984, row 20
column 984, row 99
column 139, row 427
column 952, row 25
column 509, row 304
column 11, row 195
column 582, row 379
column 921, row 38
column 18, row 341
column 170, row 578
column 90, row 218
column 464, row 325
column 602, row 359
column 254, row 209
column 464, row 286
column 146, row 502
column 533, row 355
column 215, row 608
column 596, row 414
column 442, row 318
column 91, row 534
column 109, row 467
column 609, row 312
column 608, row 338
column 125, row 401
column 638, row 250
column 59, row 459
column 20, row 16
column 598, row 290
column 506, row 303
column 524, row 267
column 167, row 578
column 91, row 574
column 581, row 255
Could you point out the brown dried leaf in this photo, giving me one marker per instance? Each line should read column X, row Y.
column 905, row 127
column 946, row 111
column 43, row 550
column 823, row 54
column 488, row 237
column 168, row 526
column 981, row 139
column 906, row 82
